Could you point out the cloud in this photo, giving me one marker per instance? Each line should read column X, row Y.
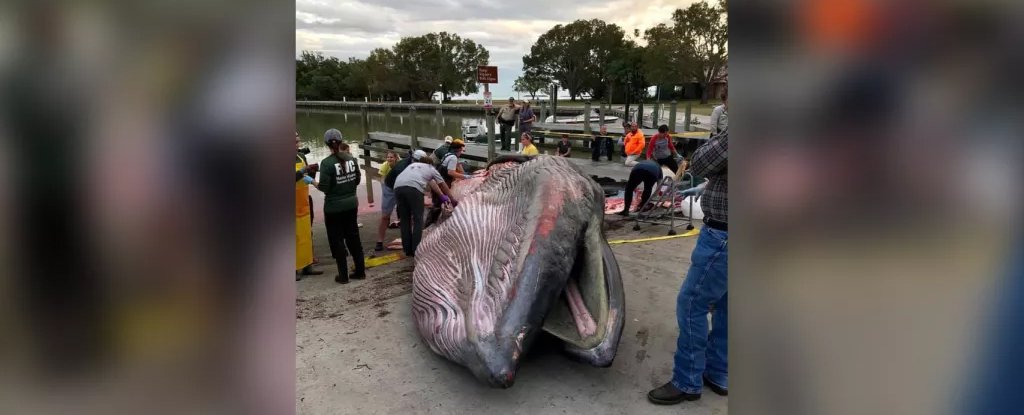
column 352, row 28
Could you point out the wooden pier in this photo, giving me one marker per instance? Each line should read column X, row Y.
column 476, row 154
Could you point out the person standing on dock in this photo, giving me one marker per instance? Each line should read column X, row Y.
column 634, row 144
column 564, row 147
column 720, row 115
column 662, row 150
column 507, row 120
column 701, row 357
column 339, row 179
column 528, row 148
column 526, row 118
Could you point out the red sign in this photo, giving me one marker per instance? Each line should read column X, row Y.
column 487, row 74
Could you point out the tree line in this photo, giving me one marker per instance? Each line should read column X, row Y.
column 416, row 68
column 586, row 58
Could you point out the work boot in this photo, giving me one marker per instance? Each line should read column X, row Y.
column 342, row 277
column 667, row 394
column 309, row 270
column 715, row 388
column 379, row 247
column 298, row 276
column 623, row 213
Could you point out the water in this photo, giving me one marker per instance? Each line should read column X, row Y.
column 312, row 123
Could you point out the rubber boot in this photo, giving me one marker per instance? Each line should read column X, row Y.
column 309, row 270
column 342, row 277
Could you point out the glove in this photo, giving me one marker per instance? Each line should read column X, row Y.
column 445, row 199
column 454, row 203
column 694, row 190
column 312, row 169
column 307, row 179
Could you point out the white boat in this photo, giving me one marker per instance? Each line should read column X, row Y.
column 474, row 130
column 594, row 118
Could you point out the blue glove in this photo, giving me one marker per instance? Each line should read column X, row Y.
column 694, row 190
column 307, row 179
column 445, row 199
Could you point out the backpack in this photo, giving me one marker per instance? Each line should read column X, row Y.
column 389, row 180
column 443, row 169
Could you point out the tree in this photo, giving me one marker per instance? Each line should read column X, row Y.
column 665, row 56
column 577, row 55
column 438, row 62
column 457, row 59
column 704, row 30
column 530, row 84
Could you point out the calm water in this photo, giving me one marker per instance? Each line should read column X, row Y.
column 312, row 123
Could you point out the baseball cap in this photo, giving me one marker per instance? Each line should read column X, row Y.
column 332, row 134
column 447, row 138
column 418, row 154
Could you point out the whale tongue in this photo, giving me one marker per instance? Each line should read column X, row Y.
column 585, row 324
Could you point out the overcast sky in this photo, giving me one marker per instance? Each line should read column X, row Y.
column 352, row 28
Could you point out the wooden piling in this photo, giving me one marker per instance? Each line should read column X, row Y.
column 672, row 116
column 365, row 118
column 413, row 140
column 686, row 117
column 586, row 117
column 490, row 137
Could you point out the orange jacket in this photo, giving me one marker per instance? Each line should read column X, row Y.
column 634, row 143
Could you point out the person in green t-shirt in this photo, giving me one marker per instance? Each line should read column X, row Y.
column 339, row 178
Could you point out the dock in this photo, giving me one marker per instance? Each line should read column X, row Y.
column 476, row 154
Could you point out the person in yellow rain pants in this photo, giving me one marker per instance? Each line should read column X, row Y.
column 303, row 219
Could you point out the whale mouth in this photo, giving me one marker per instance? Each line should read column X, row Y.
column 589, row 317
column 583, row 304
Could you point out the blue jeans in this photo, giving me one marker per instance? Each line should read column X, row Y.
column 699, row 353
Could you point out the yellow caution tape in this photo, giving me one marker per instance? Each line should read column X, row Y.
column 692, row 232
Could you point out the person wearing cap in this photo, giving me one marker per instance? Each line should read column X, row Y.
column 339, row 178
column 634, row 144
column 528, row 148
column 450, row 169
column 443, row 149
column 303, row 214
column 564, row 147
column 507, row 119
column 409, row 188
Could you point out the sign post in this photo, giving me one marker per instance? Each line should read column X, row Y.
column 488, row 75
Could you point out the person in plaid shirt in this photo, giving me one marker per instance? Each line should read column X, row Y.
column 701, row 357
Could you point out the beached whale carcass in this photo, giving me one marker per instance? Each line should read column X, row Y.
column 523, row 251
